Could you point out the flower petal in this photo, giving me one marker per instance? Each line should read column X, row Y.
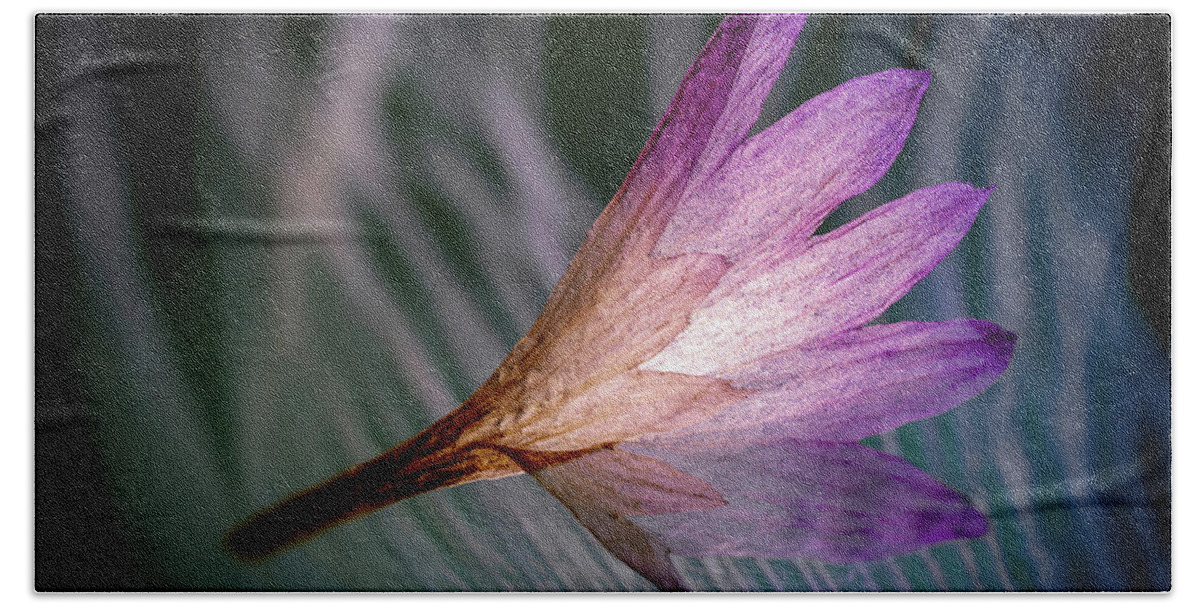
column 836, row 502
column 716, row 105
column 572, row 382
column 824, row 285
column 832, row 147
column 867, row 381
column 629, row 405
column 624, row 483
column 600, row 489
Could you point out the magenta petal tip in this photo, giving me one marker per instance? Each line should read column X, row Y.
column 995, row 343
column 968, row 194
column 973, row 525
column 999, row 338
column 902, row 81
column 919, row 78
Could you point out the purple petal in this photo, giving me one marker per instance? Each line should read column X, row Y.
column 716, row 105
column 607, row 410
column 826, row 501
column 718, row 102
column 825, row 285
column 600, row 489
column 867, row 381
column 832, row 147
column 624, row 483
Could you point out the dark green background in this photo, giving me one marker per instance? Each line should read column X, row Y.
column 213, row 332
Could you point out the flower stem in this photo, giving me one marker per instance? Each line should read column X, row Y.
column 428, row 461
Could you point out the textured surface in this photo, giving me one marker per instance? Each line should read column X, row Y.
column 268, row 249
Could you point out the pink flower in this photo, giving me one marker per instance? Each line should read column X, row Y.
column 700, row 377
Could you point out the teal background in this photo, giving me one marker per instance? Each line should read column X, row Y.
column 268, row 248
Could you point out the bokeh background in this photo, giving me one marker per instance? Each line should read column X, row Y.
column 268, row 248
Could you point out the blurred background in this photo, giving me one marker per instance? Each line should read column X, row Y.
column 268, row 248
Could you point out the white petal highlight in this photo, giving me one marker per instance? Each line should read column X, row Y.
column 867, row 381
column 822, row 286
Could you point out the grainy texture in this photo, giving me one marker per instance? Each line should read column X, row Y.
column 269, row 248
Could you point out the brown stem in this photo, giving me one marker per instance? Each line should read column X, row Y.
column 428, row 461
column 443, row 455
